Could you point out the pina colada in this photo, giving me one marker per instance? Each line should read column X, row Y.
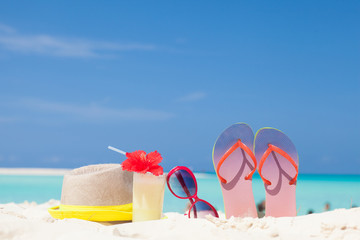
column 148, row 196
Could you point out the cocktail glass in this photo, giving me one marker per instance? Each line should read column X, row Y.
column 148, row 196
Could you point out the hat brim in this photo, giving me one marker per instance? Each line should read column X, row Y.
column 96, row 213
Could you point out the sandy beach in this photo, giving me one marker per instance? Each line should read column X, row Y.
column 32, row 221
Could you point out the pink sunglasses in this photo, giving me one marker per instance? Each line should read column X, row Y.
column 182, row 183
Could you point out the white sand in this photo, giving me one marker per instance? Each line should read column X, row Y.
column 32, row 221
column 34, row 171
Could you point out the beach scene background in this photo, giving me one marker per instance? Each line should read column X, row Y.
column 77, row 77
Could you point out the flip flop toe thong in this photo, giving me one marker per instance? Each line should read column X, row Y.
column 235, row 163
column 278, row 168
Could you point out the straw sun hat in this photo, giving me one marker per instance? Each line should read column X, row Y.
column 97, row 193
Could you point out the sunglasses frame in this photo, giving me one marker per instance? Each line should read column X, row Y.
column 194, row 196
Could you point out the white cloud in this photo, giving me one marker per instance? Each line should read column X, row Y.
column 52, row 159
column 7, row 119
column 63, row 47
column 6, row 28
column 195, row 96
column 93, row 112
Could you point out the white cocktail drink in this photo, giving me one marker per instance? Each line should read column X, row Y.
column 148, row 196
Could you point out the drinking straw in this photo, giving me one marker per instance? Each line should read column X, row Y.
column 116, row 150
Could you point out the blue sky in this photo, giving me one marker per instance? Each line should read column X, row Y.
column 171, row 76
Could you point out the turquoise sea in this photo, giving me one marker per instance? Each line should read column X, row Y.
column 313, row 191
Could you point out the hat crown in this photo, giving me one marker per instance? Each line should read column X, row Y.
column 97, row 185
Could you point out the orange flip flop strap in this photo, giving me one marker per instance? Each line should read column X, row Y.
column 236, row 145
column 282, row 153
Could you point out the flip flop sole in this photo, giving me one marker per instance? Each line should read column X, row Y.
column 237, row 192
column 280, row 195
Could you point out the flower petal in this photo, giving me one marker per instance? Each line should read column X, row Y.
column 139, row 154
column 154, row 158
column 156, row 170
column 135, row 162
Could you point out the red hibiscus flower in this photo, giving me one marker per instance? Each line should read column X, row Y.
column 139, row 162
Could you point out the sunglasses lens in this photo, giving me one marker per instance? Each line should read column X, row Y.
column 201, row 209
column 182, row 184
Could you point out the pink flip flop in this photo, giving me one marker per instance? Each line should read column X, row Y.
column 235, row 163
column 278, row 168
